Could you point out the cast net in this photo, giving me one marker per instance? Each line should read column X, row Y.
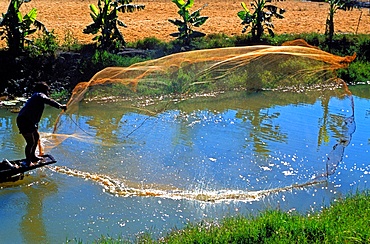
column 294, row 65
column 151, row 86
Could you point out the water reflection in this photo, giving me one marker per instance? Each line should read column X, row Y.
column 23, row 208
column 264, row 130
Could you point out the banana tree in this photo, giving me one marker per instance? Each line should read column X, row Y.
column 334, row 5
column 15, row 28
column 105, row 22
column 189, row 20
column 261, row 19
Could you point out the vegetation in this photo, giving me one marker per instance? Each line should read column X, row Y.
column 334, row 5
column 80, row 65
column 105, row 22
column 357, row 73
column 104, row 59
column 45, row 44
column 261, row 19
column 345, row 221
column 189, row 20
column 15, row 28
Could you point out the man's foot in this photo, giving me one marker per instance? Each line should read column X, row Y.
column 27, row 164
column 35, row 159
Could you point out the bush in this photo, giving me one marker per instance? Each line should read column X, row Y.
column 148, row 43
column 106, row 59
column 45, row 44
column 357, row 73
column 214, row 41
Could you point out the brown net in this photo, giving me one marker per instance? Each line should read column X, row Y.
column 292, row 65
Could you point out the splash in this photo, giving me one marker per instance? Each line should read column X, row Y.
column 122, row 189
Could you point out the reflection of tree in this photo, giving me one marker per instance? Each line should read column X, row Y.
column 263, row 129
column 335, row 125
column 323, row 131
column 183, row 134
column 105, row 127
column 32, row 225
column 107, row 118
column 343, row 133
column 329, row 122
column 104, row 119
column 108, row 122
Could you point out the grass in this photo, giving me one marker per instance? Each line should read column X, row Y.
column 347, row 220
column 106, row 59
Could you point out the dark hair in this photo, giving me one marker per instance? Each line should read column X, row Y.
column 41, row 87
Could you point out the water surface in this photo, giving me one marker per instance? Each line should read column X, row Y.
column 123, row 170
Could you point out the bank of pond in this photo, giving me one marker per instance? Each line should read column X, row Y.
column 347, row 220
column 62, row 67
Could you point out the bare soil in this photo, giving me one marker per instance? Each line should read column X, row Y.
column 69, row 17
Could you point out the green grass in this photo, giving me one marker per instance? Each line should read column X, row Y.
column 345, row 221
column 61, row 95
column 357, row 73
column 106, row 59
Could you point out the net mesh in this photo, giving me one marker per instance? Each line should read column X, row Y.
column 292, row 65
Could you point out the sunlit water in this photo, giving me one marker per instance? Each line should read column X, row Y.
column 121, row 171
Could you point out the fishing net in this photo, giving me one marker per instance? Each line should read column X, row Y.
column 294, row 65
column 149, row 88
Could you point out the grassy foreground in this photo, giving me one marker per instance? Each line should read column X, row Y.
column 345, row 221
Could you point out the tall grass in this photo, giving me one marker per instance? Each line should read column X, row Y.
column 346, row 221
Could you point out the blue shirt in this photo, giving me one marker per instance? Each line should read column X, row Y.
column 34, row 107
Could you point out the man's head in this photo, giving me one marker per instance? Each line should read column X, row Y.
column 42, row 87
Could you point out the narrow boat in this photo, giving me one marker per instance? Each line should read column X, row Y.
column 14, row 170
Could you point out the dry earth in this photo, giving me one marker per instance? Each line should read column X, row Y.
column 69, row 17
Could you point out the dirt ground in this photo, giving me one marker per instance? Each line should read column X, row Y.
column 69, row 17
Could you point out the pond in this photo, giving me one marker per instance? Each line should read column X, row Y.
column 121, row 171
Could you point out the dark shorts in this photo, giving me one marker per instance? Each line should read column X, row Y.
column 25, row 126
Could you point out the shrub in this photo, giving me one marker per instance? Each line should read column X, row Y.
column 106, row 59
column 357, row 73
column 45, row 44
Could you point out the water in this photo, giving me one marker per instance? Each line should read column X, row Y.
column 121, row 171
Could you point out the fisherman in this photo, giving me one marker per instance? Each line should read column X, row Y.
column 29, row 117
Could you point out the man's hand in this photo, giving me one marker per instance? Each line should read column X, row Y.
column 64, row 107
